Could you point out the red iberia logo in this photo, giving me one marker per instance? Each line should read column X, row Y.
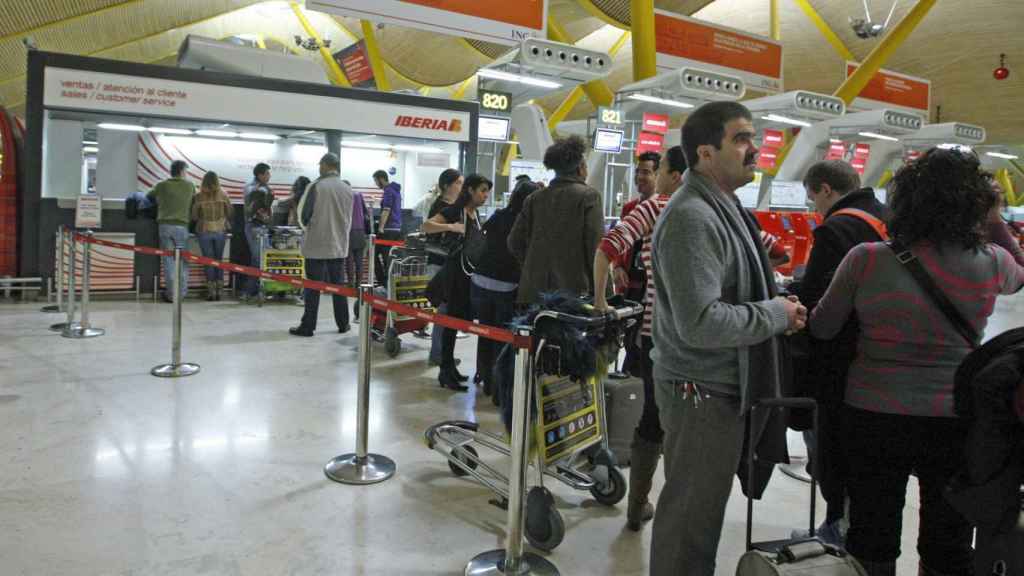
column 452, row 125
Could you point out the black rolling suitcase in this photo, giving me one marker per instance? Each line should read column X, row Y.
column 792, row 557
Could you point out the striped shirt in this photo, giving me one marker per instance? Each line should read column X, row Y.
column 637, row 225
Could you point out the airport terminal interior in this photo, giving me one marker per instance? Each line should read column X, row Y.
column 453, row 182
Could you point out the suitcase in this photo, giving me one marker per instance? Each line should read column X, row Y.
column 807, row 556
column 623, row 404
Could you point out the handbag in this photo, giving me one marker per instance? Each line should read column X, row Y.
column 474, row 246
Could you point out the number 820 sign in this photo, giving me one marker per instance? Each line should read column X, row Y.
column 495, row 101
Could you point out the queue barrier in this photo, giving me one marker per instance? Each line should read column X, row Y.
column 360, row 467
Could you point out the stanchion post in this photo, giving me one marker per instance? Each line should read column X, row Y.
column 58, row 273
column 65, row 327
column 362, row 467
column 512, row 560
column 83, row 329
column 176, row 369
column 372, row 260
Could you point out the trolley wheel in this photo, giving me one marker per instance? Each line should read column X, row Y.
column 392, row 343
column 544, row 526
column 614, row 491
column 457, row 454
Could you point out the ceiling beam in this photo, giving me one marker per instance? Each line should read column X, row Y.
column 825, row 30
column 645, row 51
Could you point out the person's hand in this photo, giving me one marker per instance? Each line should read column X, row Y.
column 621, row 279
column 457, row 227
column 796, row 313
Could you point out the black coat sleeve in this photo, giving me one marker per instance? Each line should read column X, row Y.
column 826, row 255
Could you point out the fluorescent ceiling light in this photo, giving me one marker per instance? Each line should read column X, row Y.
column 404, row 148
column 367, row 146
column 217, row 134
column 949, row 146
column 1002, row 155
column 125, row 127
column 499, row 75
column 260, row 136
column 835, row 140
column 786, row 120
column 89, row 143
column 879, row 136
column 662, row 101
column 160, row 130
column 90, row 149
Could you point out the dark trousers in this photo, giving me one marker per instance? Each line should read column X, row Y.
column 459, row 306
column 383, row 255
column 330, row 271
column 493, row 309
column 354, row 262
column 882, row 451
column 649, row 427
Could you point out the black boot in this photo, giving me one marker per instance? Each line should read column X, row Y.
column 644, row 457
column 448, row 378
column 878, row 568
column 458, row 375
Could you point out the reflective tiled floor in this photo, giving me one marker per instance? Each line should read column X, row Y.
column 107, row 470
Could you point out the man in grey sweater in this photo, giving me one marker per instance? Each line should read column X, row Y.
column 715, row 351
column 326, row 212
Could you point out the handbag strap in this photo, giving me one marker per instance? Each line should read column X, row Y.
column 905, row 257
column 866, row 217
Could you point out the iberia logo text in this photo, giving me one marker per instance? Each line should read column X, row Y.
column 429, row 123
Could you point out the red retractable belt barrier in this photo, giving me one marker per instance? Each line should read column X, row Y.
column 380, row 242
column 482, row 330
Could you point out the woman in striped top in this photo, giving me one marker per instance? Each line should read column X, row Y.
column 898, row 416
column 639, row 225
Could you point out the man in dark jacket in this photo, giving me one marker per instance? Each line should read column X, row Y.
column 834, row 188
column 557, row 233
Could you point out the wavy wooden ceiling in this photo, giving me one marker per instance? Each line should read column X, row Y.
column 956, row 46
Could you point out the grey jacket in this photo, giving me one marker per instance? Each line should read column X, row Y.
column 327, row 215
column 555, row 238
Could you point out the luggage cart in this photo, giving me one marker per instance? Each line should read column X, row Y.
column 567, row 436
column 406, row 284
column 281, row 249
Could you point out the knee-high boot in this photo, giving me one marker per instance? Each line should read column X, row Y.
column 644, row 462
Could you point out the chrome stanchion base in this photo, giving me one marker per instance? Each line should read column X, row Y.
column 493, row 564
column 77, row 331
column 175, row 370
column 796, row 469
column 350, row 469
column 61, row 326
column 51, row 308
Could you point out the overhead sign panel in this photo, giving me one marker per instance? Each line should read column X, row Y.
column 888, row 89
column 502, row 23
column 122, row 94
column 355, row 62
column 682, row 41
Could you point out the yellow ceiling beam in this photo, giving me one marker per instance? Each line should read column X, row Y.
column 461, row 90
column 885, row 48
column 886, row 177
column 645, row 52
column 511, row 151
column 373, row 52
column 334, row 71
column 774, row 27
column 66, row 21
column 825, row 30
column 1003, row 177
column 596, row 90
column 596, row 12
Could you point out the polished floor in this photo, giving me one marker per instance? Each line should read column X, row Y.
column 105, row 469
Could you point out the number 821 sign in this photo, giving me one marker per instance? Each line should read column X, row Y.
column 495, row 101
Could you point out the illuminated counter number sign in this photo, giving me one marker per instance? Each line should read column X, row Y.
column 497, row 101
column 609, row 116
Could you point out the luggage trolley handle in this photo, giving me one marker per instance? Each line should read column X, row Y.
column 613, row 315
column 772, row 404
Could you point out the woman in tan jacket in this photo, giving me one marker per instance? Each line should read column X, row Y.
column 211, row 210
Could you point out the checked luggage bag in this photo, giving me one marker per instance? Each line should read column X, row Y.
column 624, row 404
column 792, row 557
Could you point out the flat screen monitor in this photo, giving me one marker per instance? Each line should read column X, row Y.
column 788, row 195
column 748, row 195
column 494, row 128
column 608, row 140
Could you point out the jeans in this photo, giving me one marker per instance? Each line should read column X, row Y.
column 173, row 236
column 649, row 427
column 493, row 309
column 437, row 331
column 703, row 446
column 212, row 246
column 332, row 272
column 882, row 451
column 253, row 232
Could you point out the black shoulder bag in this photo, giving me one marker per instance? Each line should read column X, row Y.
column 939, row 298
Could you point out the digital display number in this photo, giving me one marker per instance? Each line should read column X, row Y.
column 499, row 101
column 610, row 116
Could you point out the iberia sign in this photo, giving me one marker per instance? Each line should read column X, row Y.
column 682, row 41
column 490, row 21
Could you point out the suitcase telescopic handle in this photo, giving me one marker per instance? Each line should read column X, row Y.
column 794, row 403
